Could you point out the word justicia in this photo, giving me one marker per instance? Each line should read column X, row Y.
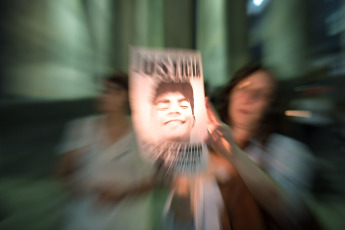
column 167, row 68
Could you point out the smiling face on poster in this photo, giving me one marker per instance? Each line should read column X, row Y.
column 173, row 111
column 168, row 109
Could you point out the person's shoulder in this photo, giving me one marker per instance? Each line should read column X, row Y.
column 81, row 121
column 288, row 144
column 77, row 133
column 280, row 138
column 91, row 118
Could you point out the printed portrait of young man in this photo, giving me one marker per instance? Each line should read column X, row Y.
column 173, row 111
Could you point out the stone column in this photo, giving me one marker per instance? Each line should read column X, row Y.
column 284, row 37
column 136, row 23
column 211, row 40
column 237, row 30
column 179, row 26
column 49, row 52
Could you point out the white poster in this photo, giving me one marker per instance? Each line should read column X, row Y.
column 168, row 107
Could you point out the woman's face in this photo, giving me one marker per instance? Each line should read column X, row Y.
column 114, row 98
column 249, row 100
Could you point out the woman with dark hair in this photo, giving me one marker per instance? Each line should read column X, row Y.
column 102, row 168
column 262, row 175
column 266, row 122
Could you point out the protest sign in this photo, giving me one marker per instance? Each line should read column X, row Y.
column 168, row 107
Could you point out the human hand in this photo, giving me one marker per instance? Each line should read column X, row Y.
column 216, row 128
column 219, row 133
column 213, row 120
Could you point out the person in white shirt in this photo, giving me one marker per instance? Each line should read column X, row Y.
column 100, row 165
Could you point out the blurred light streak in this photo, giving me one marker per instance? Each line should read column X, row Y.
column 298, row 113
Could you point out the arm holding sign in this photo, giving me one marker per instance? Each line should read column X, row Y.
column 265, row 190
column 277, row 170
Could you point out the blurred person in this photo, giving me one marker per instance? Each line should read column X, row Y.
column 256, row 179
column 101, row 166
column 173, row 111
column 262, row 176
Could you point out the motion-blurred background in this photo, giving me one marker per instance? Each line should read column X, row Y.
column 54, row 53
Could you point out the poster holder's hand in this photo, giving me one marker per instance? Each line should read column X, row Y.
column 220, row 137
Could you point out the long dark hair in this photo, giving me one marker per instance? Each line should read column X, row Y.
column 271, row 117
column 119, row 78
column 184, row 88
